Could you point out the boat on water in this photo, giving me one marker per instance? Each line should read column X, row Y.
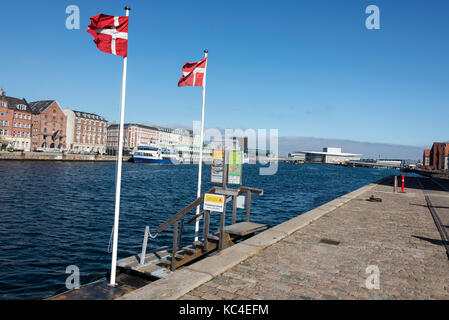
column 150, row 154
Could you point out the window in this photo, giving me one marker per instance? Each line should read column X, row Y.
column 78, row 120
column 1, row 132
column 2, row 104
column 2, row 114
column 15, row 115
column 20, row 116
column 45, row 130
column 5, row 132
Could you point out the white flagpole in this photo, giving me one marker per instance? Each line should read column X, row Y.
column 119, row 171
column 200, row 163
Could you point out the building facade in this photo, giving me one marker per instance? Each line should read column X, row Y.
column 180, row 140
column 86, row 132
column 15, row 123
column 134, row 135
column 328, row 155
column 439, row 156
column 426, row 158
column 48, row 125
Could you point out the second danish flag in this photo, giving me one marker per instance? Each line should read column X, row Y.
column 110, row 33
column 193, row 73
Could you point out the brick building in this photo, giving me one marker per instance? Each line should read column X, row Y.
column 439, row 155
column 86, row 132
column 15, row 122
column 48, row 125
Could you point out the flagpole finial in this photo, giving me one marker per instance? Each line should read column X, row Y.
column 127, row 8
column 205, row 51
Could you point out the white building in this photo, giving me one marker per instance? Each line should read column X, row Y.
column 328, row 155
column 135, row 135
column 85, row 132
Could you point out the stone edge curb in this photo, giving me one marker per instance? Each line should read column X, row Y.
column 185, row 280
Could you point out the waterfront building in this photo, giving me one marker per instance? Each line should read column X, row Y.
column 328, row 155
column 86, row 132
column 48, row 125
column 134, row 135
column 15, row 122
column 426, row 158
column 179, row 140
column 439, row 155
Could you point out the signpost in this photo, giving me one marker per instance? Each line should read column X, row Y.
column 216, row 174
column 214, row 202
column 235, row 167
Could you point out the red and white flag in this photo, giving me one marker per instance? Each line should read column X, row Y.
column 193, row 73
column 110, row 33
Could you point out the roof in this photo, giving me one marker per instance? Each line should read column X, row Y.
column 87, row 115
column 40, row 106
column 13, row 103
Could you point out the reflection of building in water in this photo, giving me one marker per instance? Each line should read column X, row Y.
column 328, row 155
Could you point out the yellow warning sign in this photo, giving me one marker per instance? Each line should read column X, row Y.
column 214, row 202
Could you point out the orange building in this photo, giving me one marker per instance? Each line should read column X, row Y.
column 426, row 158
column 15, row 122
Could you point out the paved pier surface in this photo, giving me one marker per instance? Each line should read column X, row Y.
column 291, row 261
column 398, row 235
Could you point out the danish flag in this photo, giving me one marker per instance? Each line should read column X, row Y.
column 193, row 73
column 110, row 33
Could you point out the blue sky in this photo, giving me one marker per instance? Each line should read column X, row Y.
column 308, row 68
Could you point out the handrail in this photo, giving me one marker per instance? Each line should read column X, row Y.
column 241, row 190
column 195, row 203
column 253, row 190
column 174, row 219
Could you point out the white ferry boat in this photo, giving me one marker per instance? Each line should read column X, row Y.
column 149, row 154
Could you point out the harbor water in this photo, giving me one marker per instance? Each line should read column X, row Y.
column 58, row 214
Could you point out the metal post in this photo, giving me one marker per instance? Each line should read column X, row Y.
column 144, row 245
column 222, row 225
column 395, row 184
column 119, row 172
column 402, row 184
column 200, row 162
column 175, row 246
column 206, row 230
column 180, row 233
column 248, row 205
column 234, row 209
column 225, row 167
